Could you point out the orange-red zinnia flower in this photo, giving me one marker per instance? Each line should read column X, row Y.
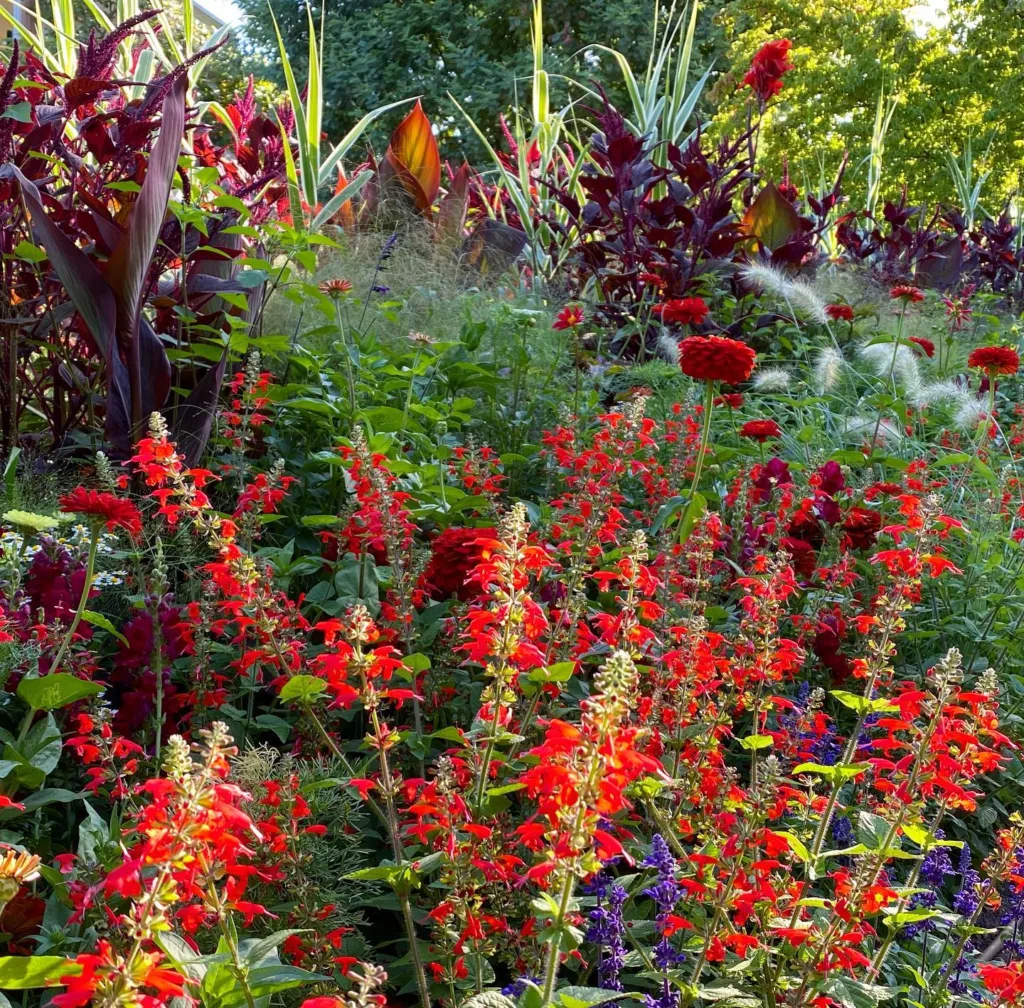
column 995, row 360
column 115, row 511
column 716, row 358
column 685, row 311
column 761, row 430
column 907, row 293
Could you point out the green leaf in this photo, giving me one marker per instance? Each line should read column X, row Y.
column 101, row 621
column 489, row 999
column 559, row 672
column 388, row 418
column 697, row 506
column 23, row 972
column 57, row 690
column 584, row 997
column 796, row 845
column 862, row 704
column 20, row 112
column 321, row 521
column 303, row 688
column 856, row 993
column 755, row 742
column 873, row 831
column 837, row 774
column 28, row 252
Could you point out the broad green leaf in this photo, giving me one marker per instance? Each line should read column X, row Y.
column 24, row 972
column 57, row 690
column 862, row 704
column 302, row 688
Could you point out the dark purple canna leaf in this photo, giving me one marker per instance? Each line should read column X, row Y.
column 93, row 300
column 193, row 419
column 128, row 268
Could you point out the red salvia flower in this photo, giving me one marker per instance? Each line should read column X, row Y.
column 116, row 512
column 716, row 358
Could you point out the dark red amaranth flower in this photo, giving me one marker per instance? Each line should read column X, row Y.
column 995, row 360
column 684, row 311
column 761, row 430
column 716, row 358
column 925, row 344
column 116, row 512
column 456, row 552
column 770, row 62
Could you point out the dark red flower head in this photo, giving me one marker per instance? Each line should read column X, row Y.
column 995, row 360
column 716, row 358
column 860, row 527
column 685, row 311
column 569, row 317
column 925, row 344
column 770, row 62
column 456, row 552
column 761, row 430
column 907, row 293
column 115, row 511
column 838, row 312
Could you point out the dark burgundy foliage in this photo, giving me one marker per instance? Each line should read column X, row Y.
column 88, row 327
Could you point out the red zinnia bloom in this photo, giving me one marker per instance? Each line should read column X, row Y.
column 569, row 317
column 770, row 62
column 802, row 555
column 925, row 344
column 838, row 312
column 761, row 430
column 860, row 527
column 716, row 358
column 685, row 311
column 734, row 400
column 995, row 360
column 907, row 293
column 114, row 510
column 456, row 552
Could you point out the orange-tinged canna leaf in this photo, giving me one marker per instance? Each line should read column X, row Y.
column 771, row 218
column 414, row 158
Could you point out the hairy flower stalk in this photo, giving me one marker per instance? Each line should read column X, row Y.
column 597, row 759
column 512, row 620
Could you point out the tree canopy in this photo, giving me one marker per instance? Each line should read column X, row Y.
column 956, row 75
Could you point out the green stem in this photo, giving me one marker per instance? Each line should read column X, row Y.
column 705, row 437
column 90, row 569
column 551, row 971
